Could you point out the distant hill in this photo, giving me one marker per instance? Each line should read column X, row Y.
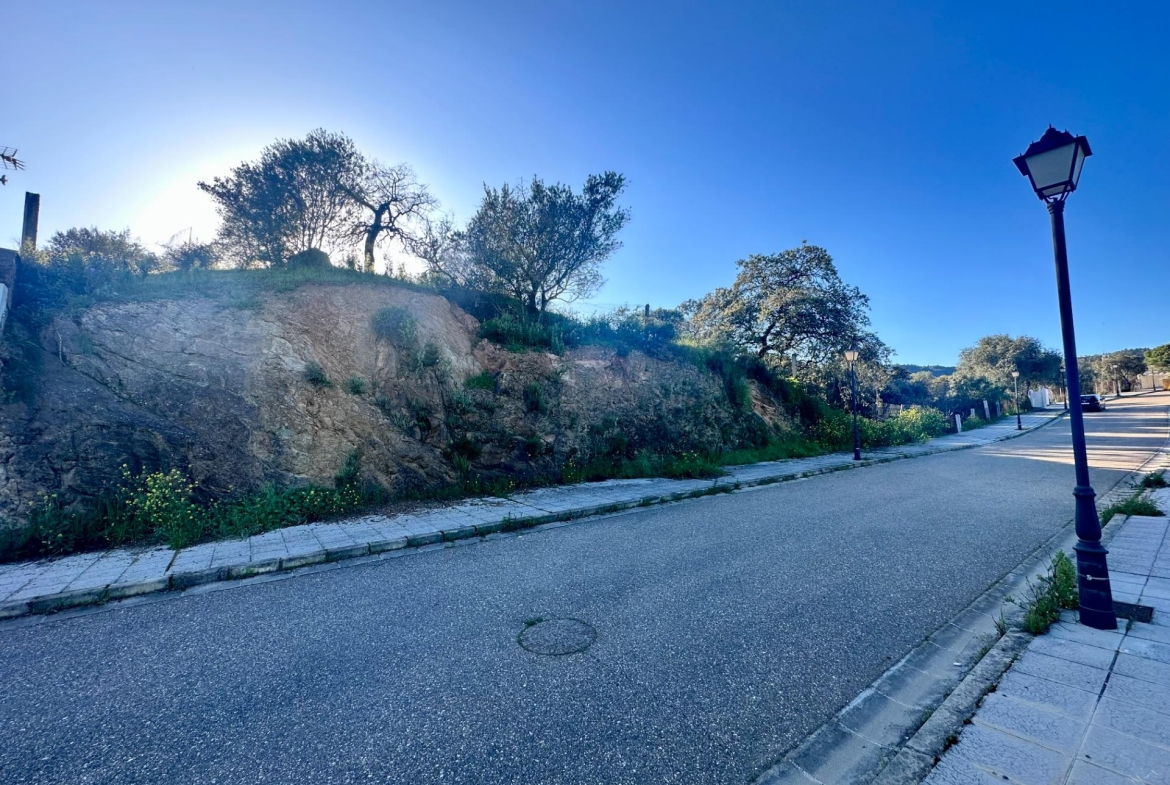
column 937, row 370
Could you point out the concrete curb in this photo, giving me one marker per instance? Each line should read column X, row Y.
column 916, row 759
column 179, row 580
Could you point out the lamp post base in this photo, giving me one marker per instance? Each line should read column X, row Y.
column 1096, row 594
column 1093, row 584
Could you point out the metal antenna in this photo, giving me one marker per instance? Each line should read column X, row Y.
column 8, row 160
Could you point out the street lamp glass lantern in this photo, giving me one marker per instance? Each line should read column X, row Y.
column 851, row 356
column 1015, row 374
column 1053, row 164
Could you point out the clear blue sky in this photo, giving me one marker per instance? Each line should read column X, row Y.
column 880, row 130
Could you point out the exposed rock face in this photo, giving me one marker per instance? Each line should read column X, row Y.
column 219, row 389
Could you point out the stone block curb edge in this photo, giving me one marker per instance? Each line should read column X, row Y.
column 185, row 580
column 916, row 759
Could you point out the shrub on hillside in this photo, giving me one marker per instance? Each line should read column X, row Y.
column 625, row 330
column 519, row 333
column 481, row 381
column 189, row 255
column 395, row 325
column 162, row 507
column 311, row 259
column 534, row 400
column 315, row 375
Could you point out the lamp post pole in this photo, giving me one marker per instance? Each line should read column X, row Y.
column 853, row 398
column 1117, row 381
column 1092, row 567
column 1016, row 383
column 851, row 356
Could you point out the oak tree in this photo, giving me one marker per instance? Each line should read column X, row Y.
column 791, row 306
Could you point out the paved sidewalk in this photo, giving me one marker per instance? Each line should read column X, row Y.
column 1084, row 706
column 88, row 578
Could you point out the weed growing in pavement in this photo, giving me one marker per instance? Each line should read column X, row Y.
column 1154, row 480
column 1056, row 591
column 986, row 647
column 1138, row 504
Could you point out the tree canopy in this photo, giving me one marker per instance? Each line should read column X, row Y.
column 100, row 249
column 540, row 243
column 1102, row 373
column 535, row 242
column 994, row 357
column 298, row 196
column 791, row 305
column 1158, row 357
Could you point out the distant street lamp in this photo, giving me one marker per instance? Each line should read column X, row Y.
column 1053, row 165
column 851, row 358
column 1065, row 389
column 1016, row 382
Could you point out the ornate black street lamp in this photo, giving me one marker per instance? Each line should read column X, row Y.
column 851, row 358
column 1053, row 165
column 1016, row 383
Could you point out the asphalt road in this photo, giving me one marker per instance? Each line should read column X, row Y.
column 727, row 629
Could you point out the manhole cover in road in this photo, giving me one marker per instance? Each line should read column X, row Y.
column 555, row 637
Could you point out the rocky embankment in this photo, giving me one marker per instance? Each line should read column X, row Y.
column 282, row 387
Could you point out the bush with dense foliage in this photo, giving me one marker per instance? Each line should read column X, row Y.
column 311, row 259
column 834, row 430
column 395, row 325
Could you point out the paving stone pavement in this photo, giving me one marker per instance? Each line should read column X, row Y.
column 53, row 584
column 1084, row 706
